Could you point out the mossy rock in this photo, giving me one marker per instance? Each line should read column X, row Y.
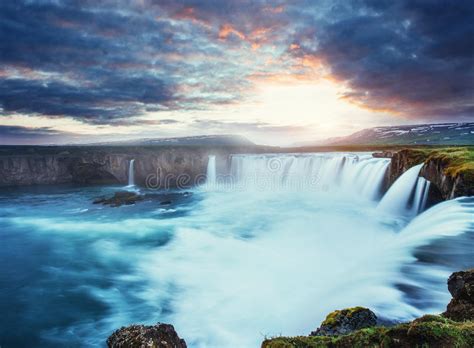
column 429, row 331
column 343, row 321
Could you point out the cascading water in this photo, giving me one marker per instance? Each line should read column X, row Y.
column 441, row 239
column 407, row 195
column 359, row 174
column 421, row 195
column 228, row 266
column 211, row 171
column 448, row 218
column 131, row 173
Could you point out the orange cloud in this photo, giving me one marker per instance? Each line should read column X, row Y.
column 188, row 13
column 256, row 38
column 227, row 29
column 391, row 105
column 255, row 46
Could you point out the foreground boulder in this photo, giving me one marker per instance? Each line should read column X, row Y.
column 461, row 287
column 120, row 198
column 344, row 321
column 141, row 336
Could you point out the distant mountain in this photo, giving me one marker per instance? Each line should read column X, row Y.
column 424, row 134
column 202, row 140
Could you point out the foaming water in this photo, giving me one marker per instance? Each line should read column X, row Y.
column 227, row 266
column 284, row 275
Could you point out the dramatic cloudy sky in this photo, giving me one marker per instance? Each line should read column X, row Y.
column 275, row 71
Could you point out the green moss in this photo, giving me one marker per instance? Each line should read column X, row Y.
column 331, row 318
column 427, row 331
column 456, row 160
column 434, row 329
column 415, row 156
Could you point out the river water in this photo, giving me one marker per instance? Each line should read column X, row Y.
column 268, row 249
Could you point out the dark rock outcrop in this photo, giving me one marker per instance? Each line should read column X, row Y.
column 141, row 336
column 461, row 287
column 383, row 154
column 400, row 162
column 342, row 322
column 449, row 186
column 444, row 185
column 119, row 198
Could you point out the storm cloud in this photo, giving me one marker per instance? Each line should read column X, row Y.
column 413, row 57
column 111, row 62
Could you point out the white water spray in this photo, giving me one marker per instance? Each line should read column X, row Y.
column 407, row 195
column 131, row 173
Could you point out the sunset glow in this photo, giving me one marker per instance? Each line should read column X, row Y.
column 274, row 72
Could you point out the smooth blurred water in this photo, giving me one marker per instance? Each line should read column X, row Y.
column 225, row 267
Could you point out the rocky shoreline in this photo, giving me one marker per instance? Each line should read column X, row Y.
column 348, row 328
column 342, row 329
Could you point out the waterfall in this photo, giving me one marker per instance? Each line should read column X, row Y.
column 407, row 195
column 359, row 174
column 421, row 195
column 131, row 173
column 446, row 219
column 211, row 171
column 433, row 245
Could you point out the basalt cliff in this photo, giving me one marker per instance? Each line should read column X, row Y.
column 450, row 170
column 154, row 166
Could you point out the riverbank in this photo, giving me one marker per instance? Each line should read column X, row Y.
column 453, row 328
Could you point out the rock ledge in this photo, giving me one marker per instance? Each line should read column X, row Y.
column 141, row 336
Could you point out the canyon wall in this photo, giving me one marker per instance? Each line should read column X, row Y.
column 449, row 186
column 156, row 167
column 182, row 166
column 443, row 185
